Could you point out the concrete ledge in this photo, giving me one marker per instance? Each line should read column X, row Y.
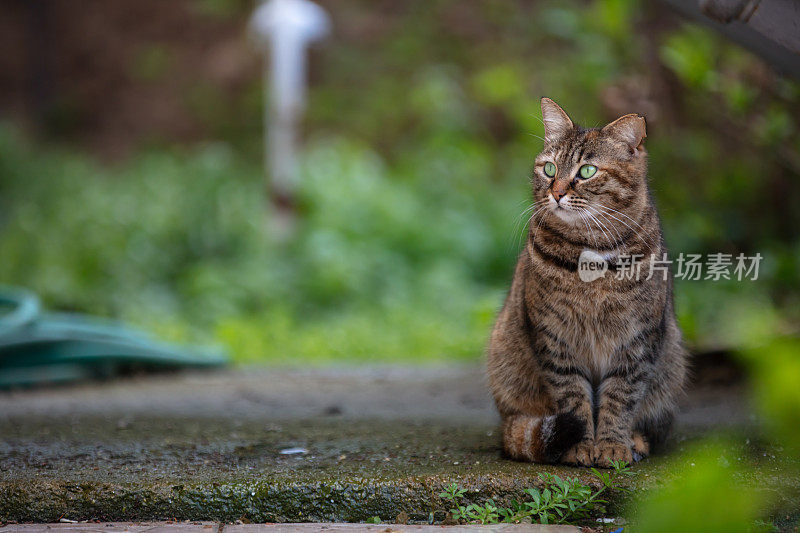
column 336, row 445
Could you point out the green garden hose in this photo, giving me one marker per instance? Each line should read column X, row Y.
column 37, row 347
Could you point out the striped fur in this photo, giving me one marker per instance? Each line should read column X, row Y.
column 541, row 439
column 587, row 372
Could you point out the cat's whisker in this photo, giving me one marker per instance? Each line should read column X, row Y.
column 537, row 117
column 525, row 228
column 635, row 232
column 591, row 213
column 605, row 216
column 586, row 215
column 598, row 204
column 610, row 229
column 599, row 224
column 608, row 211
column 522, row 215
column 517, row 234
column 532, row 206
column 544, row 213
column 588, row 229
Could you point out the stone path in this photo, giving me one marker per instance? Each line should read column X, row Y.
column 267, row 445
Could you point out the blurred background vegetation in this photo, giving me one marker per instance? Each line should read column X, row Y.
column 131, row 180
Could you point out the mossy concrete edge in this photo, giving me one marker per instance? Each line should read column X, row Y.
column 255, row 501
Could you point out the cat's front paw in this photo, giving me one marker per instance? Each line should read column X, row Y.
column 607, row 451
column 580, row 454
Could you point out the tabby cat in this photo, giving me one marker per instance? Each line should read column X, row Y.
column 588, row 372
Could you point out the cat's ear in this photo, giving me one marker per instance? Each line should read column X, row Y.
column 556, row 122
column 629, row 128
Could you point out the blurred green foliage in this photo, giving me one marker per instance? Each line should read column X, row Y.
column 422, row 126
column 704, row 497
column 178, row 243
column 719, row 485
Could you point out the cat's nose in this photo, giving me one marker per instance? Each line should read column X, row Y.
column 558, row 191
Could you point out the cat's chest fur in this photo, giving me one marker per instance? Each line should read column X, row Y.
column 594, row 319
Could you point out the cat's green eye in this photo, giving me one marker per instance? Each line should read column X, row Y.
column 550, row 169
column 587, row 171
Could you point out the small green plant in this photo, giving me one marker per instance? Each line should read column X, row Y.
column 374, row 520
column 762, row 526
column 559, row 501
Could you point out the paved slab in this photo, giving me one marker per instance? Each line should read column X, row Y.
column 278, row 446
column 197, row 527
column 118, row 527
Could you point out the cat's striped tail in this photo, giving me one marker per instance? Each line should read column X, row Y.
column 541, row 439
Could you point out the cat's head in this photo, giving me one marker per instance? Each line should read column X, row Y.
column 591, row 179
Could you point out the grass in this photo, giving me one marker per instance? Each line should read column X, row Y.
column 558, row 501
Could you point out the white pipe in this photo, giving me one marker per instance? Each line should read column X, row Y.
column 285, row 27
